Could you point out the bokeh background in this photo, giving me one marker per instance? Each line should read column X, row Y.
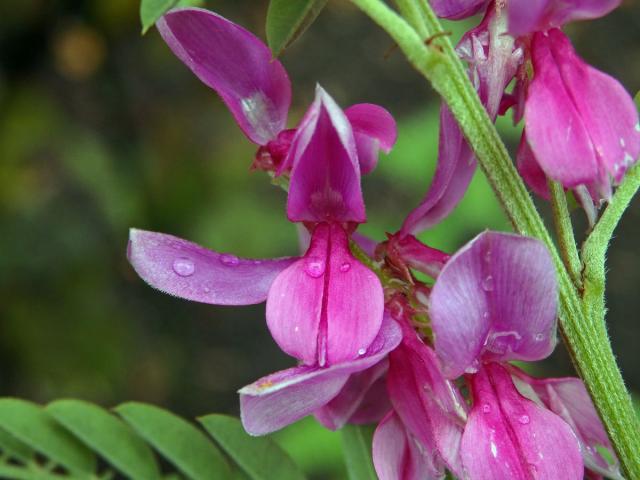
column 102, row 129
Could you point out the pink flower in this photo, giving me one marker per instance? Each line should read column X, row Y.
column 326, row 309
column 581, row 126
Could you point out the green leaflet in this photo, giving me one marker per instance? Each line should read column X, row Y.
column 180, row 442
column 356, row 445
column 33, row 426
column 288, row 19
column 259, row 457
column 106, row 434
column 152, row 10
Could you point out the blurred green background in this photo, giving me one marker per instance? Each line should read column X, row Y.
column 102, row 129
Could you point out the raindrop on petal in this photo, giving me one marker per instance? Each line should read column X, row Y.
column 486, row 408
column 345, row 267
column 362, row 351
column 230, row 260
column 487, row 283
column 314, row 267
column 538, row 337
column 184, row 267
column 523, row 419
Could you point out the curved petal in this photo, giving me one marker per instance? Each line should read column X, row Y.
column 529, row 169
column 327, row 307
column 509, row 436
column 398, row 456
column 455, row 169
column 236, row 64
column 284, row 397
column 606, row 109
column 325, row 176
column 192, row 272
column 374, row 129
column 568, row 398
column 429, row 405
column 528, row 16
column 363, row 397
column 457, row 9
column 495, row 300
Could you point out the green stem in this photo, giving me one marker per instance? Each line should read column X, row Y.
column 586, row 341
column 564, row 231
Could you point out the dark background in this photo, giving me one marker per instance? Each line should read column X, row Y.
column 102, row 129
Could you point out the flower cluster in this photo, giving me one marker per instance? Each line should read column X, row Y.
column 429, row 361
column 580, row 125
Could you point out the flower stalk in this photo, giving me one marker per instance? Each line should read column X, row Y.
column 582, row 319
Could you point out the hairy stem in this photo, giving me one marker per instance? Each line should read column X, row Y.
column 564, row 231
column 585, row 337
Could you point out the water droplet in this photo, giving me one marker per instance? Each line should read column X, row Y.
column 485, row 315
column 622, row 142
column 184, row 267
column 486, row 408
column 345, row 267
column 362, row 351
column 296, row 329
column 524, row 419
column 538, row 337
column 488, row 283
column 314, row 267
column 206, row 289
column 637, row 127
column 230, row 260
column 487, row 256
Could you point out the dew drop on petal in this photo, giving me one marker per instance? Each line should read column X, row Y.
column 206, row 289
column 314, row 267
column 296, row 329
column 362, row 351
column 622, row 142
column 184, row 267
column 345, row 267
column 229, row 260
column 486, row 408
column 538, row 337
column 524, row 419
column 485, row 315
column 488, row 283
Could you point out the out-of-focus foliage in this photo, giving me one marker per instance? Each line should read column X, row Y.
column 102, row 129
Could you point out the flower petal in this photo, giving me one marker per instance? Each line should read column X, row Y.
column 397, row 454
column 325, row 176
column 509, row 436
column 428, row 404
column 236, row 64
column 495, row 299
column 606, row 109
column 568, row 398
column 327, row 307
column 192, row 272
column 284, row 397
column 363, row 396
column 528, row 16
column 374, row 129
column 455, row 169
column 457, row 9
column 529, row 169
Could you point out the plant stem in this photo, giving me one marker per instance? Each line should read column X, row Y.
column 586, row 340
column 595, row 247
column 564, row 231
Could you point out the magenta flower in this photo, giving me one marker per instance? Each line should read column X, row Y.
column 509, row 436
column 255, row 87
column 494, row 301
column 529, row 16
column 580, row 124
column 457, row 9
column 325, row 308
column 428, row 404
column 568, row 398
